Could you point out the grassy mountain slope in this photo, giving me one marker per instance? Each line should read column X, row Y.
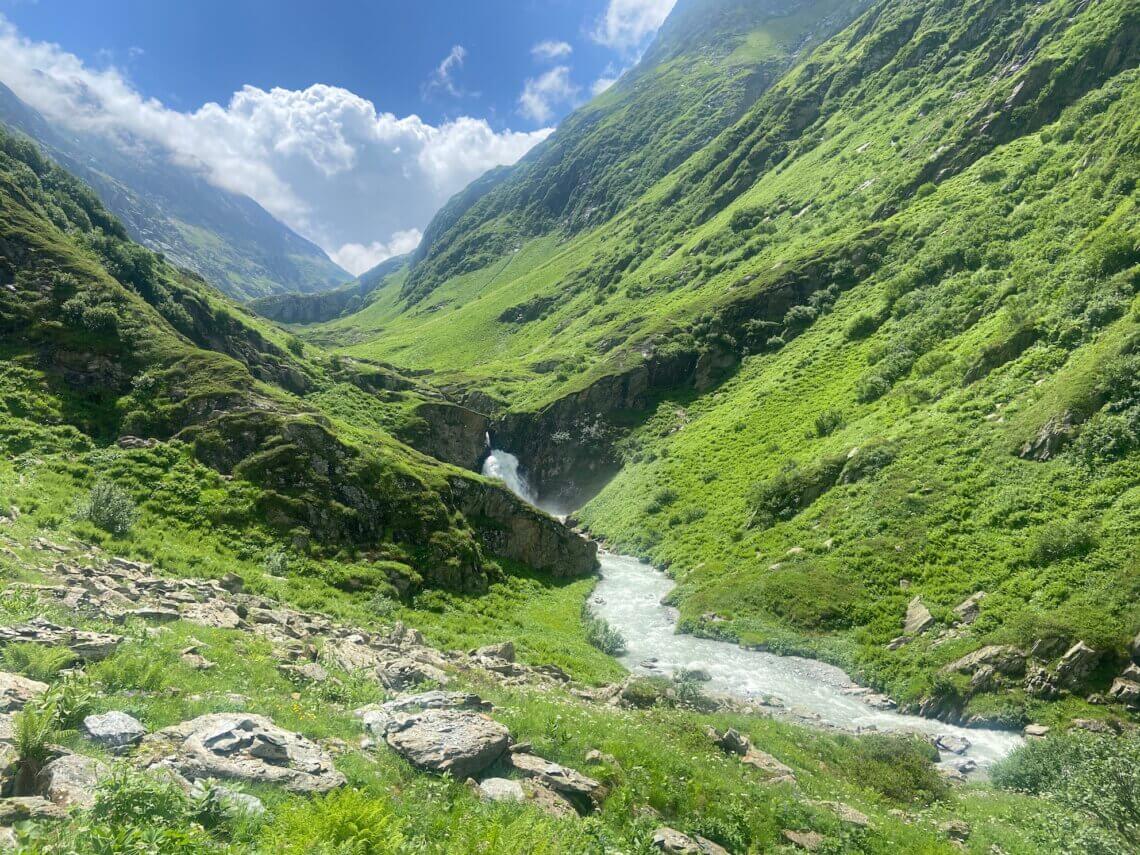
column 920, row 241
column 229, row 239
column 250, row 447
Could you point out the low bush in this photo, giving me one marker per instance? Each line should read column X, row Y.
column 1087, row 772
column 110, row 508
column 604, row 637
column 1060, row 540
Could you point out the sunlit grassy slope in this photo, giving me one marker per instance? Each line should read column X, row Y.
column 957, row 185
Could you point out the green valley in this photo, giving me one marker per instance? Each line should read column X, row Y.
column 754, row 466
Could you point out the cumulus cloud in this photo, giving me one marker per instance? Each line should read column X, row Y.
column 549, row 51
column 322, row 159
column 542, row 94
column 626, row 24
column 356, row 258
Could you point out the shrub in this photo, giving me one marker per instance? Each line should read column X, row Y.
column 72, row 698
column 110, row 508
column 645, row 692
column 276, row 563
column 871, row 388
column 1060, row 540
column 1084, row 771
column 604, row 637
column 792, row 490
column 34, row 728
column 1107, row 437
column 800, row 317
column 37, row 661
column 900, row 767
column 829, row 421
column 662, row 499
column 861, row 326
column 127, row 797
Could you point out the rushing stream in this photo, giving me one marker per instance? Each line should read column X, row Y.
column 629, row 598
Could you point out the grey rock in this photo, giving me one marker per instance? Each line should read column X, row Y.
column 776, row 771
column 244, row 747
column 846, row 813
column 212, row 614
column 1125, row 692
column 1077, row 663
column 405, row 672
column 671, row 841
column 1036, row 731
column 115, row 731
column 504, row 650
column 232, row 582
column 501, row 790
column 16, row 691
column 24, row 808
column 1002, row 658
column 810, row 841
column 228, row 802
column 953, row 744
column 733, row 742
column 918, row 618
column 968, row 610
column 559, row 778
column 459, row 742
column 956, row 829
column 70, row 781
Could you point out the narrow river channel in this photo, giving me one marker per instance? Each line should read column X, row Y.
column 629, row 596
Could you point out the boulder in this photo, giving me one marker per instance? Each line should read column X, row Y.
column 1036, row 731
column 504, row 650
column 459, row 742
column 115, row 731
column 501, row 790
column 352, row 654
column 548, row 801
column 232, row 582
column 811, row 841
column 969, row 609
column 733, row 741
column 956, row 829
column 243, row 747
column 16, row 691
column 228, row 802
column 24, row 808
column 776, row 771
column 952, row 743
column 213, row 614
column 89, row 646
column 70, row 781
column 918, row 618
column 674, row 842
column 846, row 813
column 1125, row 692
column 559, row 778
column 1076, row 665
column 404, row 672
column 1002, row 658
column 376, row 717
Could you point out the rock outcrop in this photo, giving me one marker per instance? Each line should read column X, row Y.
column 459, row 742
column 242, row 747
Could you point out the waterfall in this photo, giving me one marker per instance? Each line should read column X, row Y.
column 505, row 466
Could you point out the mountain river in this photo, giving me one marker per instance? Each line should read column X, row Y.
column 629, row 598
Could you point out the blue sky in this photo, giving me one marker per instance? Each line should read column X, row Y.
column 352, row 122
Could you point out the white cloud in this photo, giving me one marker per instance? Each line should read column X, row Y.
column 357, row 258
column 322, row 159
column 550, row 50
column 601, row 85
column 542, row 94
column 444, row 76
column 626, row 24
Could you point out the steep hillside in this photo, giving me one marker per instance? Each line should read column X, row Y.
column 873, row 342
column 230, row 240
column 121, row 370
column 709, row 63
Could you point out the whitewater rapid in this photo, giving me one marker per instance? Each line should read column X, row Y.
column 629, row 597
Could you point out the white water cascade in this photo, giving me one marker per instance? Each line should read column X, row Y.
column 629, row 598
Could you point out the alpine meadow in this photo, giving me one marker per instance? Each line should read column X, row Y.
column 748, row 463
